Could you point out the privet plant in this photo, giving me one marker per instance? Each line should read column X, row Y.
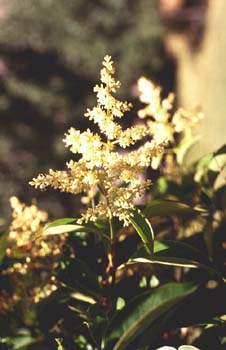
column 104, row 280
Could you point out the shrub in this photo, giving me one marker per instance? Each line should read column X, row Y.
column 118, row 285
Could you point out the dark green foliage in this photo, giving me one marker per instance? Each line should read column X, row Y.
column 130, row 312
column 142, row 312
column 152, row 285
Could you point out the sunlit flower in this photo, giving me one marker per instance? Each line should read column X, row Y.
column 163, row 123
column 102, row 165
column 25, row 238
column 26, row 221
column 31, row 252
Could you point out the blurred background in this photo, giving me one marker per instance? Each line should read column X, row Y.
column 50, row 57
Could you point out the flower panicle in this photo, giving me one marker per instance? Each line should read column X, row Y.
column 166, row 122
column 108, row 107
column 25, row 233
column 33, row 251
column 101, row 164
column 157, row 108
column 26, row 218
column 163, row 122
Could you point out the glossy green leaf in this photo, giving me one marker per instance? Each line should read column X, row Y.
column 175, row 249
column 168, row 261
column 22, row 340
column 163, row 207
column 187, row 347
column 174, row 253
column 59, row 229
column 139, row 314
column 3, row 243
column 166, row 348
column 80, row 310
column 120, row 303
column 65, row 226
column 218, row 163
column 182, row 150
column 156, row 329
column 59, row 342
column 83, row 297
column 217, row 171
column 63, row 221
column 221, row 150
column 202, row 167
column 179, row 250
column 144, row 229
column 211, row 168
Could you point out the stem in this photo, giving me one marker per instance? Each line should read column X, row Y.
column 110, row 270
column 91, row 335
column 111, row 256
column 111, row 226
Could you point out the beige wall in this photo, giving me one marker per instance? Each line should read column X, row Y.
column 201, row 77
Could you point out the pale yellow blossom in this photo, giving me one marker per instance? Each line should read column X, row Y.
column 27, row 221
column 163, row 123
column 25, row 238
column 33, row 255
column 102, row 165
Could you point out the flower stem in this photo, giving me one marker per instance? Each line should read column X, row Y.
column 110, row 270
column 111, row 254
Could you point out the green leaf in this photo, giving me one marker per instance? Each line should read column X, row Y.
column 144, row 229
column 184, row 147
column 3, row 244
column 174, row 253
column 217, row 171
column 139, row 314
column 176, row 249
column 187, row 347
column 65, row 226
column 217, row 163
column 221, row 150
column 80, row 310
column 166, row 348
column 179, row 249
column 59, row 342
column 120, row 303
column 168, row 261
column 59, row 229
column 83, row 297
column 22, row 340
column 202, row 168
column 157, row 328
column 63, row 221
column 163, row 207
column 211, row 168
